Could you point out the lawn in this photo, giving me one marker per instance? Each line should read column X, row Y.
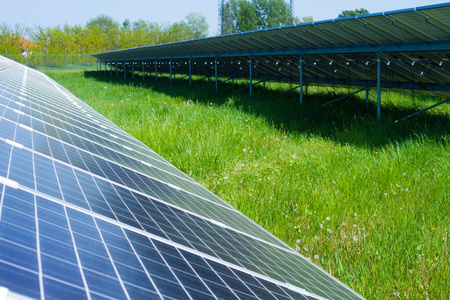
column 367, row 200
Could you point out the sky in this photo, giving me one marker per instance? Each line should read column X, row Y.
column 59, row 12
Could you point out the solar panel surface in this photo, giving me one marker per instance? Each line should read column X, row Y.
column 412, row 44
column 87, row 211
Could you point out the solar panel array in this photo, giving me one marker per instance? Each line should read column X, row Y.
column 413, row 46
column 87, row 211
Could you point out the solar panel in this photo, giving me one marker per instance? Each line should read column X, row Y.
column 412, row 46
column 87, row 211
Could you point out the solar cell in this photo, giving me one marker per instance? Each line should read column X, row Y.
column 87, row 211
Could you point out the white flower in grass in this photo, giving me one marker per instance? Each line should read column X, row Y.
column 298, row 241
column 306, row 248
column 321, row 225
column 316, row 256
column 106, row 87
column 329, row 230
column 410, row 271
column 355, row 238
column 297, row 248
column 328, row 218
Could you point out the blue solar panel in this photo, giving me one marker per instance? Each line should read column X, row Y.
column 87, row 211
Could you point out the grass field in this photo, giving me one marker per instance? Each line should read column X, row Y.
column 368, row 201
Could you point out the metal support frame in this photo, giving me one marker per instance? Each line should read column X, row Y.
column 117, row 69
column 226, row 80
column 132, row 69
column 190, row 73
column 170, row 66
column 105, row 67
column 300, row 70
column 306, row 90
column 250, row 75
column 423, row 110
column 143, row 70
column 250, row 86
column 124, row 70
column 215, row 74
column 343, row 97
column 156, row 70
column 182, row 78
column 290, row 90
column 99, row 65
column 264, row 85
column 110, row 68
column 198, row 80
column 379, row 86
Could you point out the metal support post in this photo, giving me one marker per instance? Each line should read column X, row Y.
column 215, row 74
column 132, row 69
column 124, row 70
column 300, row 68
column 143, row 70
column 190, row 73
column 105, row 67
column 117, row 69
column 264, row 86
column 306, row 90
column 250, row 75
column 379, row 86
column 170, row 66
column 110, row 68
column 156, row 71
column 100, row 65
column 46, row 52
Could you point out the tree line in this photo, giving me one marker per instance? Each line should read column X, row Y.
column 103, row 33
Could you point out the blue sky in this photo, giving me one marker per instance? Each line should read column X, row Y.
column 53, row 12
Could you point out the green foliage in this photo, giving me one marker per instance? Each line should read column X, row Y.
column 368, row 201
column 102, row 33
column 244, row 15
column 352, row 13
column 197, row 22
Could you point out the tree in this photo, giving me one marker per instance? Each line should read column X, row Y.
column 352, row 13
column 271, row 13
column 197, row 22
column 245, row 15
column 103, row 22
column 126, row 24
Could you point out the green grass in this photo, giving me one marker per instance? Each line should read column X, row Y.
column 368, row 201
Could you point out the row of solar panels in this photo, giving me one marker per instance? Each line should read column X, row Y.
column 87, row 211
column 414, row 45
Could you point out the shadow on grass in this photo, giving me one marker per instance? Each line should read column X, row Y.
column 348, row 121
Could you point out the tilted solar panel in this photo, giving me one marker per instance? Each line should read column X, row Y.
column 87, row 211
column 412, row 46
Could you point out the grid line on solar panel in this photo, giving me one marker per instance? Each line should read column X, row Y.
column 93, row 129
column 74, row 220
column 164, row 178
column 164, row 240
column 65, row 161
